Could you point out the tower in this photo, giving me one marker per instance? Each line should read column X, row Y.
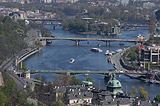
column 114, row 86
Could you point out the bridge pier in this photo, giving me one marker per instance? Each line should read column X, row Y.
column 107, row 43
column 87, row 42
column 54, row 27
column 76, row 43
column 43, row 23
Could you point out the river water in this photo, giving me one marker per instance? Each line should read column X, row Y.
column 57, row 57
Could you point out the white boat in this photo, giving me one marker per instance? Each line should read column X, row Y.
column 113, row 52
column 107, row 52
column 119, row 50
column 72, row 60
column 96, row 50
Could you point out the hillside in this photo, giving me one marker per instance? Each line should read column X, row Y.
column 11, row 37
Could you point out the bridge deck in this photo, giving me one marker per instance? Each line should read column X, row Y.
column 91, row 39
column 79, row 72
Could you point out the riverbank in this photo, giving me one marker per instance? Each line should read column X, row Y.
column 115, row 60
column 120, row 65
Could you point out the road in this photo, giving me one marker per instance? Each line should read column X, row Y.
column 9, row 65
column 19, row 82
column 115, row 60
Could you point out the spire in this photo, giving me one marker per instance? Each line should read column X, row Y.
column 113, row 76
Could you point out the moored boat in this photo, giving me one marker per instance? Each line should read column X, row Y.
column 107, row 52
column 152, row 80
column 49, row 42
column 96, row 50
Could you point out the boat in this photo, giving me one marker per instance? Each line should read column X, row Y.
column 113, row 52
column 121, row 44
column 107, row 52
column 72, row 60
column 109, row 59
column 96, row 50
column 152, row 80
column 48, row 41
column 119, row 50
column 53, row 36
column 98, row 45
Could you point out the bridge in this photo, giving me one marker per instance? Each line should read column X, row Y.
column 77, row 40
column 43, row 20
column 72, row 72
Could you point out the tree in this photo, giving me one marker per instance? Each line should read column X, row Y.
column 134, row 90
column 157, row 98
column 133, row 55
column 3, row 99
column 57, row 103
column 22, row 99
column 152, row 26
column 38, row 78
column 89, row 79
column 143, row 93
column 157, row 13
column 74, row 81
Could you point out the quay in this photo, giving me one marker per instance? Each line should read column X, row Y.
column 26, row 54
column 115, row 60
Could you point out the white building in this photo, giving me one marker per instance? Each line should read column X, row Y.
column 148, row 5
column 124, row 2
column 47, row 1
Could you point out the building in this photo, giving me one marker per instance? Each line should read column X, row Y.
column 104, row 98
column 124, row 2
column 75, row 95
column 148, row 5
column 151, row 54
column 78, row 95
column 3, row 0
column 18, row 15
column 114, row 86
column 115, row 31
column 88, row 84
column 27, row 75
column 47, row 1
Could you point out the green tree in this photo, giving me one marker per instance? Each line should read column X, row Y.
column 38, row 78
column 143, row 93
column 22, row 99
column 89, row 79
column 133, row 55
column 134, row 90
column 74, row 81
column 152, row 26
column 57, row 103
column 157, row 98
column 3, row 99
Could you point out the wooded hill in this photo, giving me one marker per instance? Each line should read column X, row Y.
column 12, row 34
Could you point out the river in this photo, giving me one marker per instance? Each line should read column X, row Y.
column 57, row 57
